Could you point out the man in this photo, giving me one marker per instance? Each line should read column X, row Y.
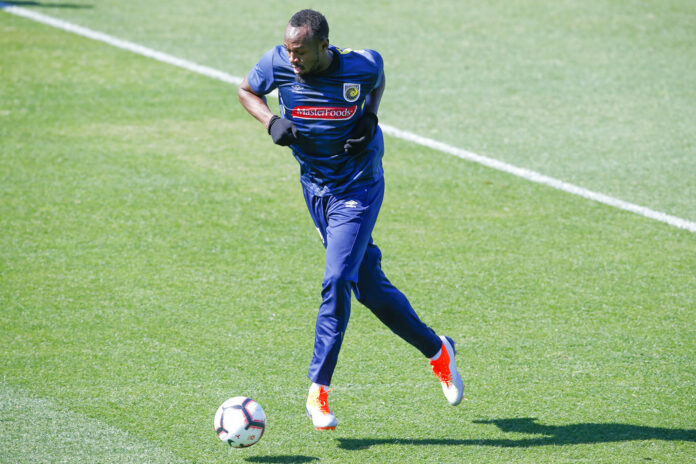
column 329, row 99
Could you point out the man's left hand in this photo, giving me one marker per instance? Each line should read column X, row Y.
column 362, row 134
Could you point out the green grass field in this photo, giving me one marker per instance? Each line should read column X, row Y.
column 156, row 256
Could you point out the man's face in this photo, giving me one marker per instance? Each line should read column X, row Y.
column 306, row 53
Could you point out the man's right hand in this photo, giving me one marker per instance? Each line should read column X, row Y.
column 282, row 131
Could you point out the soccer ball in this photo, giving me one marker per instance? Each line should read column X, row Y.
column 240, row 421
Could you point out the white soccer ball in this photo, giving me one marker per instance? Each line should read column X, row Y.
column 240, row 421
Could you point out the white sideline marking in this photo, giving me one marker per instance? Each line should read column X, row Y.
column 119, row 43
column 389, row 130
column 541, row 178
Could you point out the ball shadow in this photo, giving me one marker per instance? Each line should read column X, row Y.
column 289, row 459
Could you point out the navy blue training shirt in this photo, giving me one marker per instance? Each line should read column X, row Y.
column 324, row 108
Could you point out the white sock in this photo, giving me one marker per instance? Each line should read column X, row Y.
column 317, row 386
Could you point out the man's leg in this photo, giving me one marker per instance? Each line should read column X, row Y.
column 391, row 306
column 350, row 219
column 345, row 224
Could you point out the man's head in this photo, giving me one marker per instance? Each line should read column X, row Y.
column 307, row 42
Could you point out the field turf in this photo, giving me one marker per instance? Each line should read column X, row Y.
column 156, row 256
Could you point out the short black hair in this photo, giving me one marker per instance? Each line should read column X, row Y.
column 318, row 26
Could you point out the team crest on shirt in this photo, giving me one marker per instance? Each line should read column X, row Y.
column 351, row 92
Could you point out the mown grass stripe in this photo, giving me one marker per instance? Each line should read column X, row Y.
column 37, row 430
column 389, row 130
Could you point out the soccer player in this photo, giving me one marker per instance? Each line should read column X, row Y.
column 329, row 99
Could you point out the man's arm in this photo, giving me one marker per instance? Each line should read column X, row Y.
column 254, row 104
column 367, row 125
column 374, row 97
column 282, row 131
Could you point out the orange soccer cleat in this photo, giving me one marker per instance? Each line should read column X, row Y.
column 445, row 370
column 318, row 408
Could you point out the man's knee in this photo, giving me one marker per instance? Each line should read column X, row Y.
column 338, row 279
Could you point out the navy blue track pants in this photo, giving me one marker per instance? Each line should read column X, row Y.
column 353, row 263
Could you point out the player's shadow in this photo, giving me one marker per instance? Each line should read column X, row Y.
column 289, row 459
column 44, row 4
column 574, row 434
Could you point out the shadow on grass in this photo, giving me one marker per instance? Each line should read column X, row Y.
column 574, row 434
column 43, row 4
column 281, row 459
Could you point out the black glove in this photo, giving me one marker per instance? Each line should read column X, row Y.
column 282, row 131
column 362, row 134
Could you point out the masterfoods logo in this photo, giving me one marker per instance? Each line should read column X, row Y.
column 324, row 112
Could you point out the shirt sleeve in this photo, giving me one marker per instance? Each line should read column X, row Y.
column 260, row 78
column 376, row 61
